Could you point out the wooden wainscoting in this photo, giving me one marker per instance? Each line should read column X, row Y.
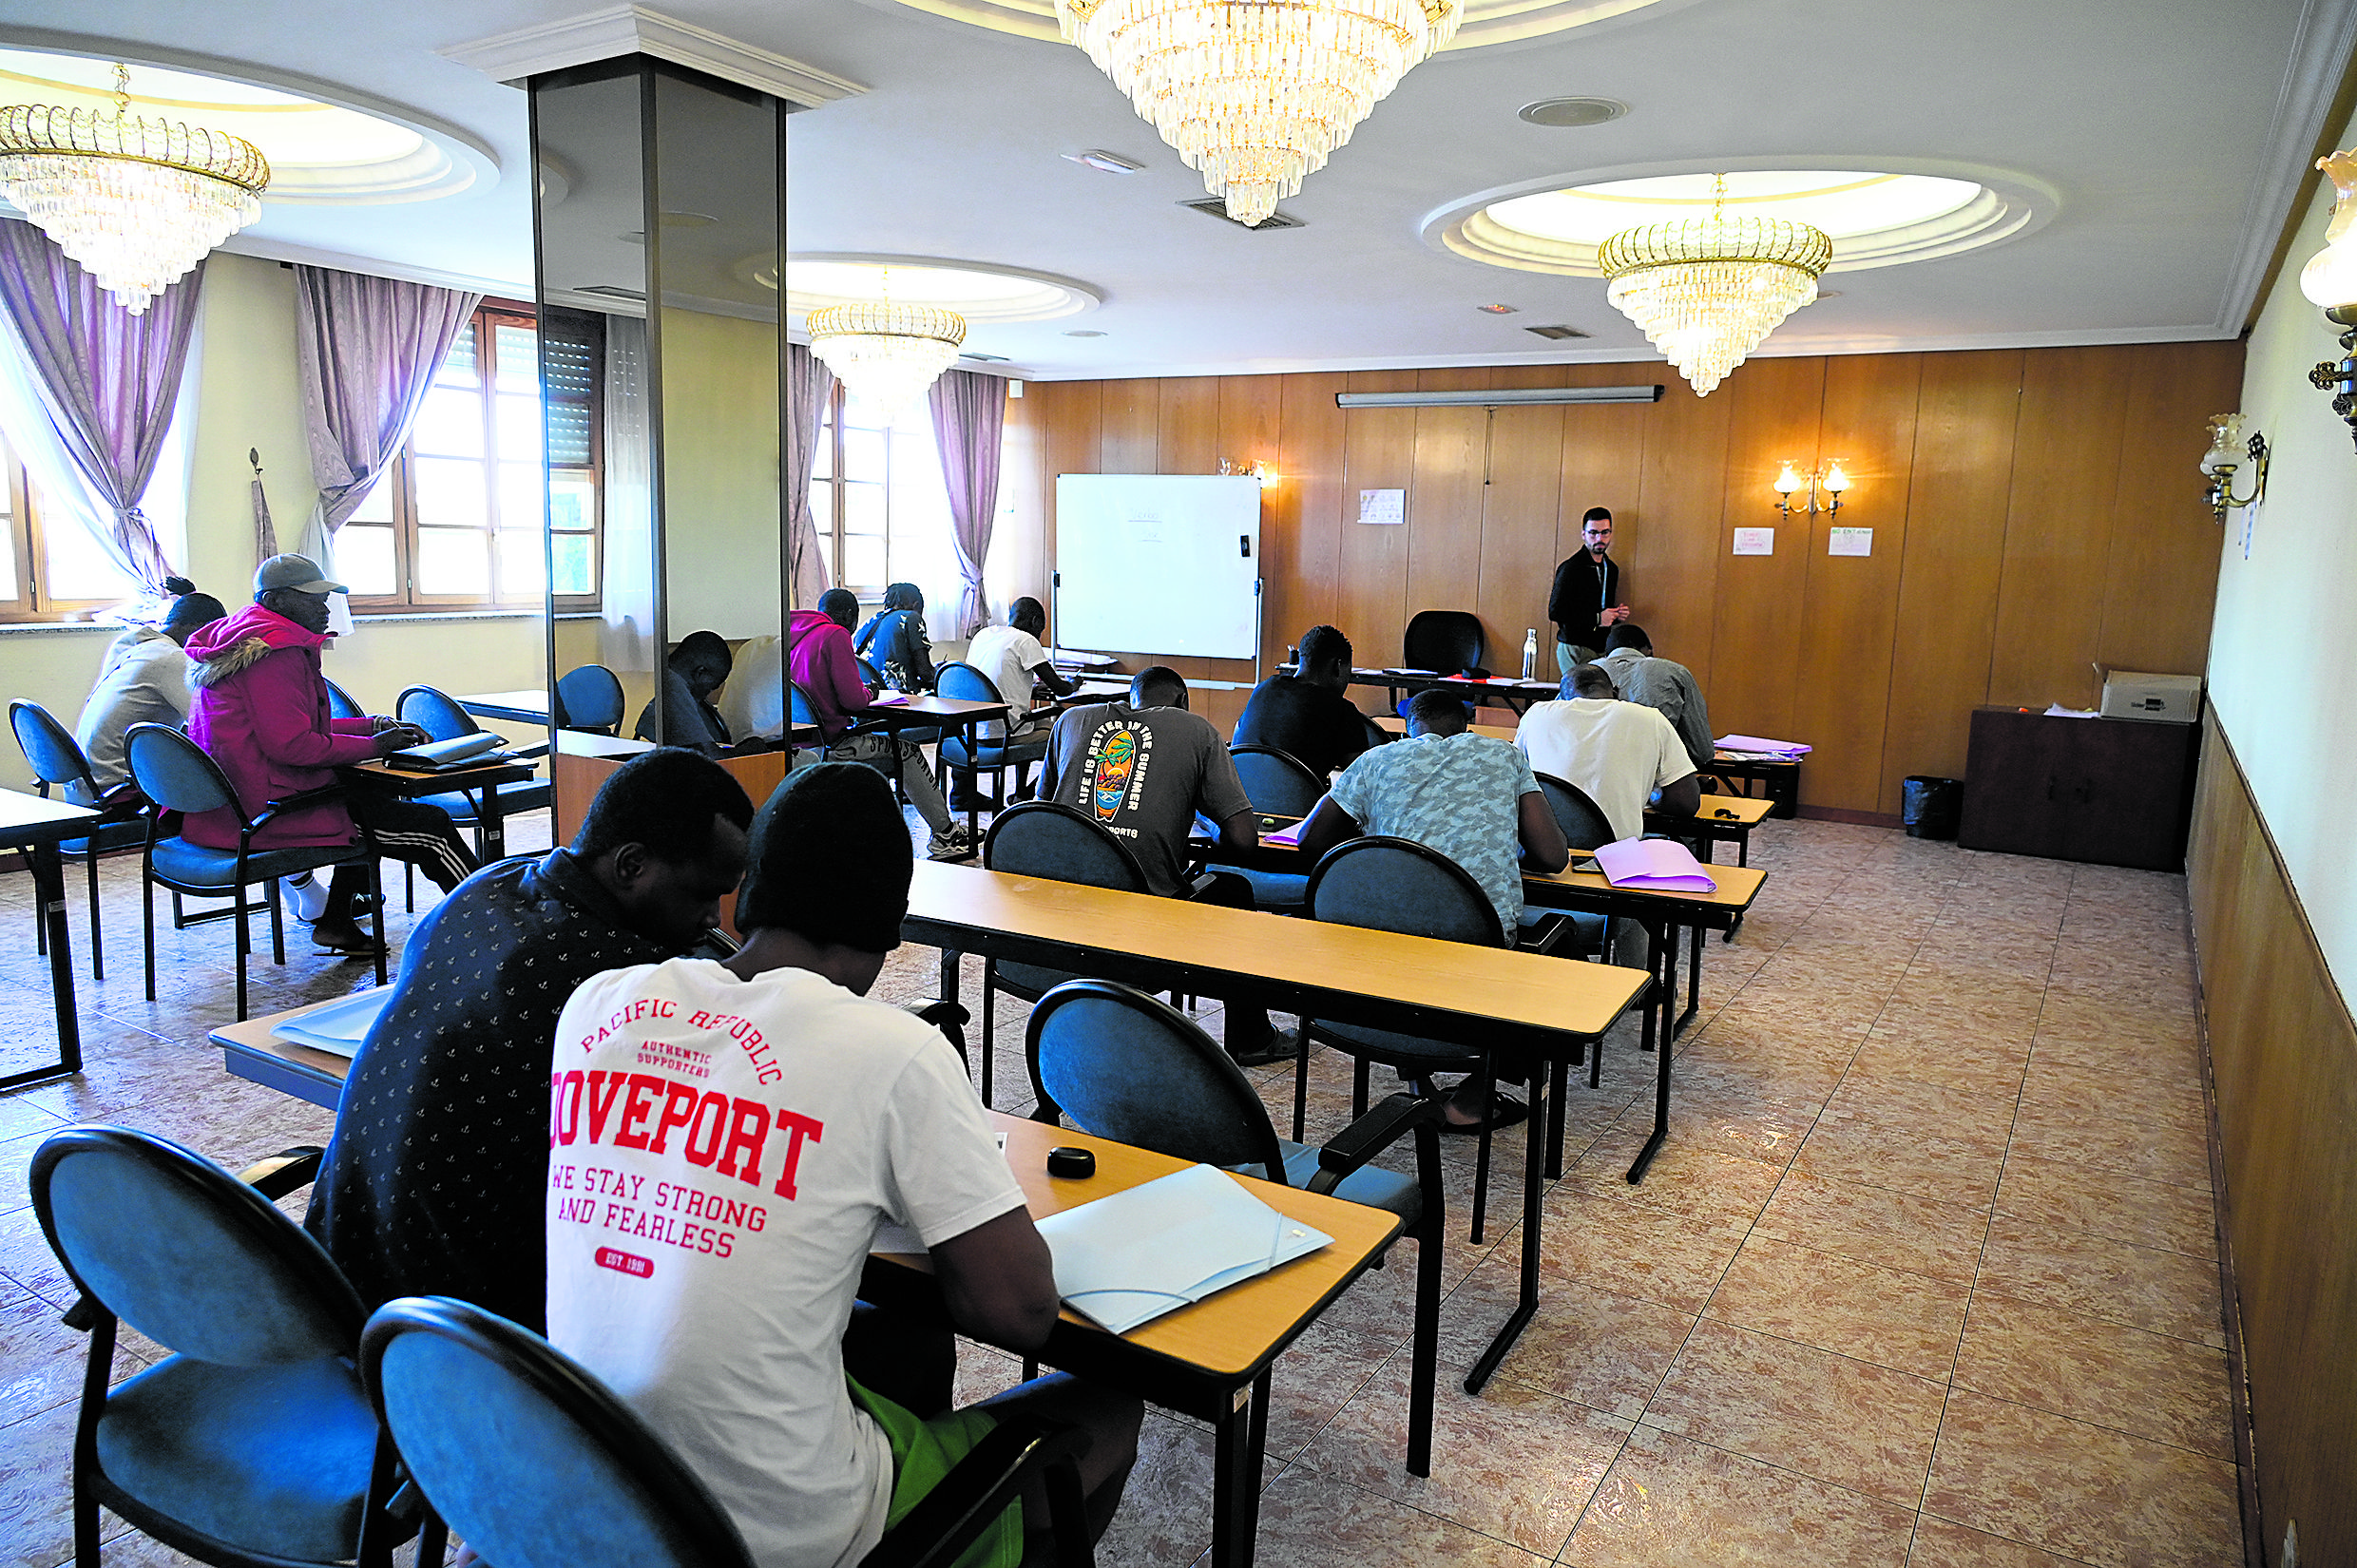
column 2283, row 1061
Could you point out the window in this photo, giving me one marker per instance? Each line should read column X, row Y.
column 458, row 522
column 49, row 573
column 879, row 502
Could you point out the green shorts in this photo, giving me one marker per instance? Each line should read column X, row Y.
column 923, row 1453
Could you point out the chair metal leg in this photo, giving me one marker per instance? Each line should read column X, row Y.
column 1488, row 1077
column 989, row 1032
column 98, row 951
column 1424, row 1359
column 1301, row 1081
column 1358, row 1089
column 409, row 886
column 147, row 925
column 278, row 924
column 377, row 918
column 245, row 943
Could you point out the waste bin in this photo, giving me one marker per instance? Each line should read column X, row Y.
column 1931, row 807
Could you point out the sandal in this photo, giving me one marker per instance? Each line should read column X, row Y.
column 1505, row 1111
column 358, row 944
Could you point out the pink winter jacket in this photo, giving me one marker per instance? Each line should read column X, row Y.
column 259, row 708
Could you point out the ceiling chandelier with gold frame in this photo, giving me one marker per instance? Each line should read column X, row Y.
column 136, row 201
column 1706, row 292
column 884, row 351
column 1257, row 94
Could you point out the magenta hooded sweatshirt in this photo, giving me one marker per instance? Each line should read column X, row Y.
column 259, row 709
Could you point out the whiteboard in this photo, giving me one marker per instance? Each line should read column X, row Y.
column 1159, row 564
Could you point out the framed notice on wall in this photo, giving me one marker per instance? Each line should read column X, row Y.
column 1850, row 541
column 1755, row 541
column 1383, row 506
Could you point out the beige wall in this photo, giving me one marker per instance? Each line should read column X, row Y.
column 247, row 398
column 721, row 523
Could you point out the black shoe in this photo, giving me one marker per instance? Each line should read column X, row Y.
column 1283, row 1045
column 1505, row 1111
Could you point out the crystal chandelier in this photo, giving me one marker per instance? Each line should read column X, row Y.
column 137, row 202
column 1255, row 94
column 1706, row 290
column 885, row 351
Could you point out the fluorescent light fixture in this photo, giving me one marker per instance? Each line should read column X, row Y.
column 1499, row 397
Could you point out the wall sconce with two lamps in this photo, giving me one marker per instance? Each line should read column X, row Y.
column 2329, row 281
column 1832, row 481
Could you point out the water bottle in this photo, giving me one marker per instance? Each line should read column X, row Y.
column 1530, row 654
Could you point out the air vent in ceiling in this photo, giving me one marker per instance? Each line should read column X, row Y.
column 1557, row 332
column 1214, row 206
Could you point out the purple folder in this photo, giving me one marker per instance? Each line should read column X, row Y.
column 1658, row 863
column 1753, row 743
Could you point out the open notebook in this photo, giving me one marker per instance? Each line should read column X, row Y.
column 339, row 1027
column 1129, row 1259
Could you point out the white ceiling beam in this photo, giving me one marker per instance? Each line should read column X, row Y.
column 617, row 30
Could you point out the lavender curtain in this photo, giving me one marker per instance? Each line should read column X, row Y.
column 109, row 379
column 969, row 411
column 367, row 348
column 809, row 384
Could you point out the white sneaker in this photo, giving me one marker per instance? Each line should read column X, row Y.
column 956, row 844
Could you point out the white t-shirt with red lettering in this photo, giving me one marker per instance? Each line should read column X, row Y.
column 721, row 1153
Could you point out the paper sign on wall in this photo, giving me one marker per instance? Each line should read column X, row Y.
column 1850, row 541
column 1383, row 506
column 1755, row 541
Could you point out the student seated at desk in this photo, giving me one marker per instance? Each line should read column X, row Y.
column 143, row 680
column 433, row 1181
column 1466, row 796
column 894, row 639
column 765, row 1121
column 258, row 706
column 1306, row 715
column 1145, row 770
column 821, row 663
column 697, row 669
column 1663, row 685
column 1012, row 658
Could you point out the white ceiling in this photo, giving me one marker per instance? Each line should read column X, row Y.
column 2172, row 133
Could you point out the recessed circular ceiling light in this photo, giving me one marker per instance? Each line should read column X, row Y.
column 977, row 291
column 1568, row 112
column 1083, row 334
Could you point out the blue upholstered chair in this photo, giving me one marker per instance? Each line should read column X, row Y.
column 172, row 772
column 253, row 1443
column 1044, row 839
column 1581, row 819
column 341, row 703
column 56, row 760
column 1398, row 884
column 1280, row 784
column 964, row 683
column 1124, row 1065
column 589, row 697
column 535, row 1463
column 442, row 718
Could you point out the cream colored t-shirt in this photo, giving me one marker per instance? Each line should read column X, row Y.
column 1618, row 753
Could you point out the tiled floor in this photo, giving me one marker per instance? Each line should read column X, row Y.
column 1926, row 1275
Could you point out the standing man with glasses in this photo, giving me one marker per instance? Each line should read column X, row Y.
column 1586, row 602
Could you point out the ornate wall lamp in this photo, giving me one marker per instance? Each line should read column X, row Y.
column 2228, row 452
column 1832, row 482
column 2329, row 279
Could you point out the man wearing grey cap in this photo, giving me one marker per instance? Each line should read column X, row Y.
column 259, row 707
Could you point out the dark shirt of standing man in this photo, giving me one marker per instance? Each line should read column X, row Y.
column 1306, row 715
column 434, row 1182
column 1585, row 603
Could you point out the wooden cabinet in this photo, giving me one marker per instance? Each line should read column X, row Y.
column 2117, row 792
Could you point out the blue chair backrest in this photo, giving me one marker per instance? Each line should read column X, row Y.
column 173, row 771
column 341, row 703
column 436, row 714
column 1398, row 884
column 589, row 699
column 1447, row 641
column 1276, row 781
column 188, row 1254
column 1044, row 839
column 1583, row 822
column 964, row 683
column 798, row 710
column 49, row 748
column 525, row 1456
column 1129, row 1066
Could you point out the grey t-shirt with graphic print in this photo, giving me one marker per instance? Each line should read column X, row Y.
column 1142, row 773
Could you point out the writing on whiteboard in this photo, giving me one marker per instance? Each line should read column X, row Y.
column 1383, row 506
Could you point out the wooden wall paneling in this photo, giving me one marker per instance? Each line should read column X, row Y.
column 1187, row 432
column 2282, row 1056
column 1851, row 612
column 1371, row 600
column 2058, row 526
column 2161, row 581
column 1074, row 445
column 1251, row 431
column 1604, row 465
column 1133, row 423
column 1444, row 499
column 1759, row 600
column 1669, row 544
column 1309, row 501
column 1017, row 562
column 1518, row 510
column 1966, row 408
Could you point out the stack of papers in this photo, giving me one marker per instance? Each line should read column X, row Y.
column 1752, row 745
column 1658, row 863
column 339, row 1027
column 1129, row 1259
column 887, row 700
